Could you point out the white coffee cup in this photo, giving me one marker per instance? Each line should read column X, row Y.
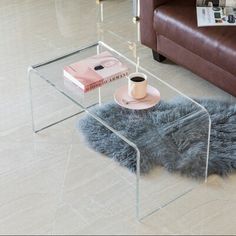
column 137, row 85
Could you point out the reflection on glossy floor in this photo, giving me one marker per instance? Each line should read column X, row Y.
column 50, row 182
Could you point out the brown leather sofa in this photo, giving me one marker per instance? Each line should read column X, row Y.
column 169, row 28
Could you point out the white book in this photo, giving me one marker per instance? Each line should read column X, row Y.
column 216, row 12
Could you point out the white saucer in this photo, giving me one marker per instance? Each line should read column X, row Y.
column 122, row 98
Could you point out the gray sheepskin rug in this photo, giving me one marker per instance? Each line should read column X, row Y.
column 171, row 134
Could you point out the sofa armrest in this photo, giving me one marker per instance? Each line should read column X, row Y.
column 148, row 35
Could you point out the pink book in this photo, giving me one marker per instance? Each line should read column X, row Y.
column 94, row 71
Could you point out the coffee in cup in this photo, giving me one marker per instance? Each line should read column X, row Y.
column 137, row 87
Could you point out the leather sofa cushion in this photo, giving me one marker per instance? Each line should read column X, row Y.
column 177, row 21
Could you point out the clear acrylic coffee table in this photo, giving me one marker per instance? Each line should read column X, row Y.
column 152, row 192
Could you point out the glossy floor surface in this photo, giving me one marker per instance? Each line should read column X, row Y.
column 50, row 182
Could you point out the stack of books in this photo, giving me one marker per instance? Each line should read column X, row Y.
column 95, row 71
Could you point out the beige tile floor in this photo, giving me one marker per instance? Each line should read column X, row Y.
column 50, row 182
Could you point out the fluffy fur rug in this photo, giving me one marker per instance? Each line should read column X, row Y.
column 170, row 134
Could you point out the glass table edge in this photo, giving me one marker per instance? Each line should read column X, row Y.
column 35, row 66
